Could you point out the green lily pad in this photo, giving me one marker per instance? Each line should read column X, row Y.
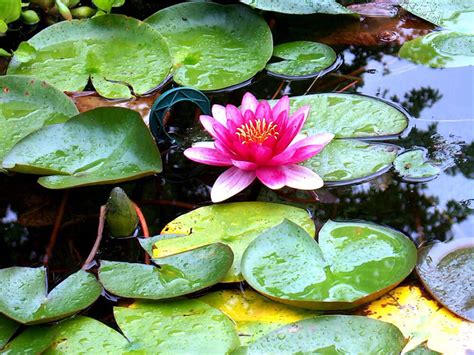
column 214, row 46
column 350, row 116
column 115, row 52
column 8, row 327
column 441, row 49
column 335, row 334
column 422, row 349
column 447, row 272
column 101, row 146
column 301, row 59
column 121, row 217
column 353, row 263
column 78, row 335
column 413, row 165
column 185, row 326
column 348, row 161
column 234, row 224
column 176, row 275
column 25, row 297
column 299, row 7
column 452, row 14
column 10, row 10
column 26, row 105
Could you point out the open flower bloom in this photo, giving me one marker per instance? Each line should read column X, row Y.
column 261, row 142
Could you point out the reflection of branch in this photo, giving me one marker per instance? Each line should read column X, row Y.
column 57, row 225
column 416, row 100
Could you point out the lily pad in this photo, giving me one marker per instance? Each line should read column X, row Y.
column 214, row 46
column 413, row 165
column 335, row 334
column 10, row 10
column 299, row 7
column 353, row 263
column 447, row 272
column 254, row 315
column 25, row 297
column 453, row 14
column 422, row 320
column 101, row 146
column 302, row 59
column 117, row 53
column 176, row 275
column 185, row 326
column 234, row 224
column 441, row 49
column 348, row 161
column 8, row 327
column 26, row 105
column 351, row 116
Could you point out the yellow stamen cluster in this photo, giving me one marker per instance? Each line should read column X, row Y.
column 257, row 131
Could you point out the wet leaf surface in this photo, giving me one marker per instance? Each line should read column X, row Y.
column 25, row 297
column 413, row 165
column 299, row 7
column 214, row 46
column 8, row 327
column 175, row 275
column 105, row 145
column 447, row 272
column 115, row 52
column 234, row 224
column 26, row 105
column 353, row 263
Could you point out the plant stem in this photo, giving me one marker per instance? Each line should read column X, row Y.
column 100, row 232
column 57, row 225
column 144, row 227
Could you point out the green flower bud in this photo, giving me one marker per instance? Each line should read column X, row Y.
column 30, row 17
column 83, row 12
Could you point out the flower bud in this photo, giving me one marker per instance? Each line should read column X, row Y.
column 30, row 17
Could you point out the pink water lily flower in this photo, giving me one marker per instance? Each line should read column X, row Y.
column 261, row 142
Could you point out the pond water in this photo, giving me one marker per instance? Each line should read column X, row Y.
column 439, row 101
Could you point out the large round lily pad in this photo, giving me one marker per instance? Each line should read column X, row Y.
column 117, row 53
column 176, row 275
column 353, row 263
column 301, row 59
column 25, row 297
column 441, row 49
column 413, row 165
column 186, row 326
column 299, row 7
column 350, row 116
column 348, row 161
column 335, row 334
column 234, row 224
column 453, row 14
column 214, row 46
column 447, row 272
column 104, row 145
column 26, row 105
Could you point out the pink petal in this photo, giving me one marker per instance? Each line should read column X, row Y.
column 301, row 178
column 272, row 176
column 204, row 145
column 259, row 154
column 233, row 114
column 207, row 156
column 208, row 123
column 264, row 111
column 302, row 110
column 303, row 149
column 283, row 105
column 249, row 102
column 289, row 132
column 244, row 165
column 231, row 182
column 218, row 112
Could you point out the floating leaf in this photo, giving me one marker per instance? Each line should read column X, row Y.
column 354, row 263
column 78, row 335
column 422, row 319
column 453, row 14
column 101, row 146
column 447, row 272
column 106, row 5
column 441, row 49
column 413, row 165
column 254, row 315
column 214, row 46
column 234, row 224
column 25, row 297
column 422, row 349
column 121, row 216
column 299, row 7
column 350, row 116
column 8, row 327
column 335, row 334
column 176, row 275
column 26, row 105
column 302, row 59
column 185, row 326
column 348, row 161
column 115, row 52
column 10, row 10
